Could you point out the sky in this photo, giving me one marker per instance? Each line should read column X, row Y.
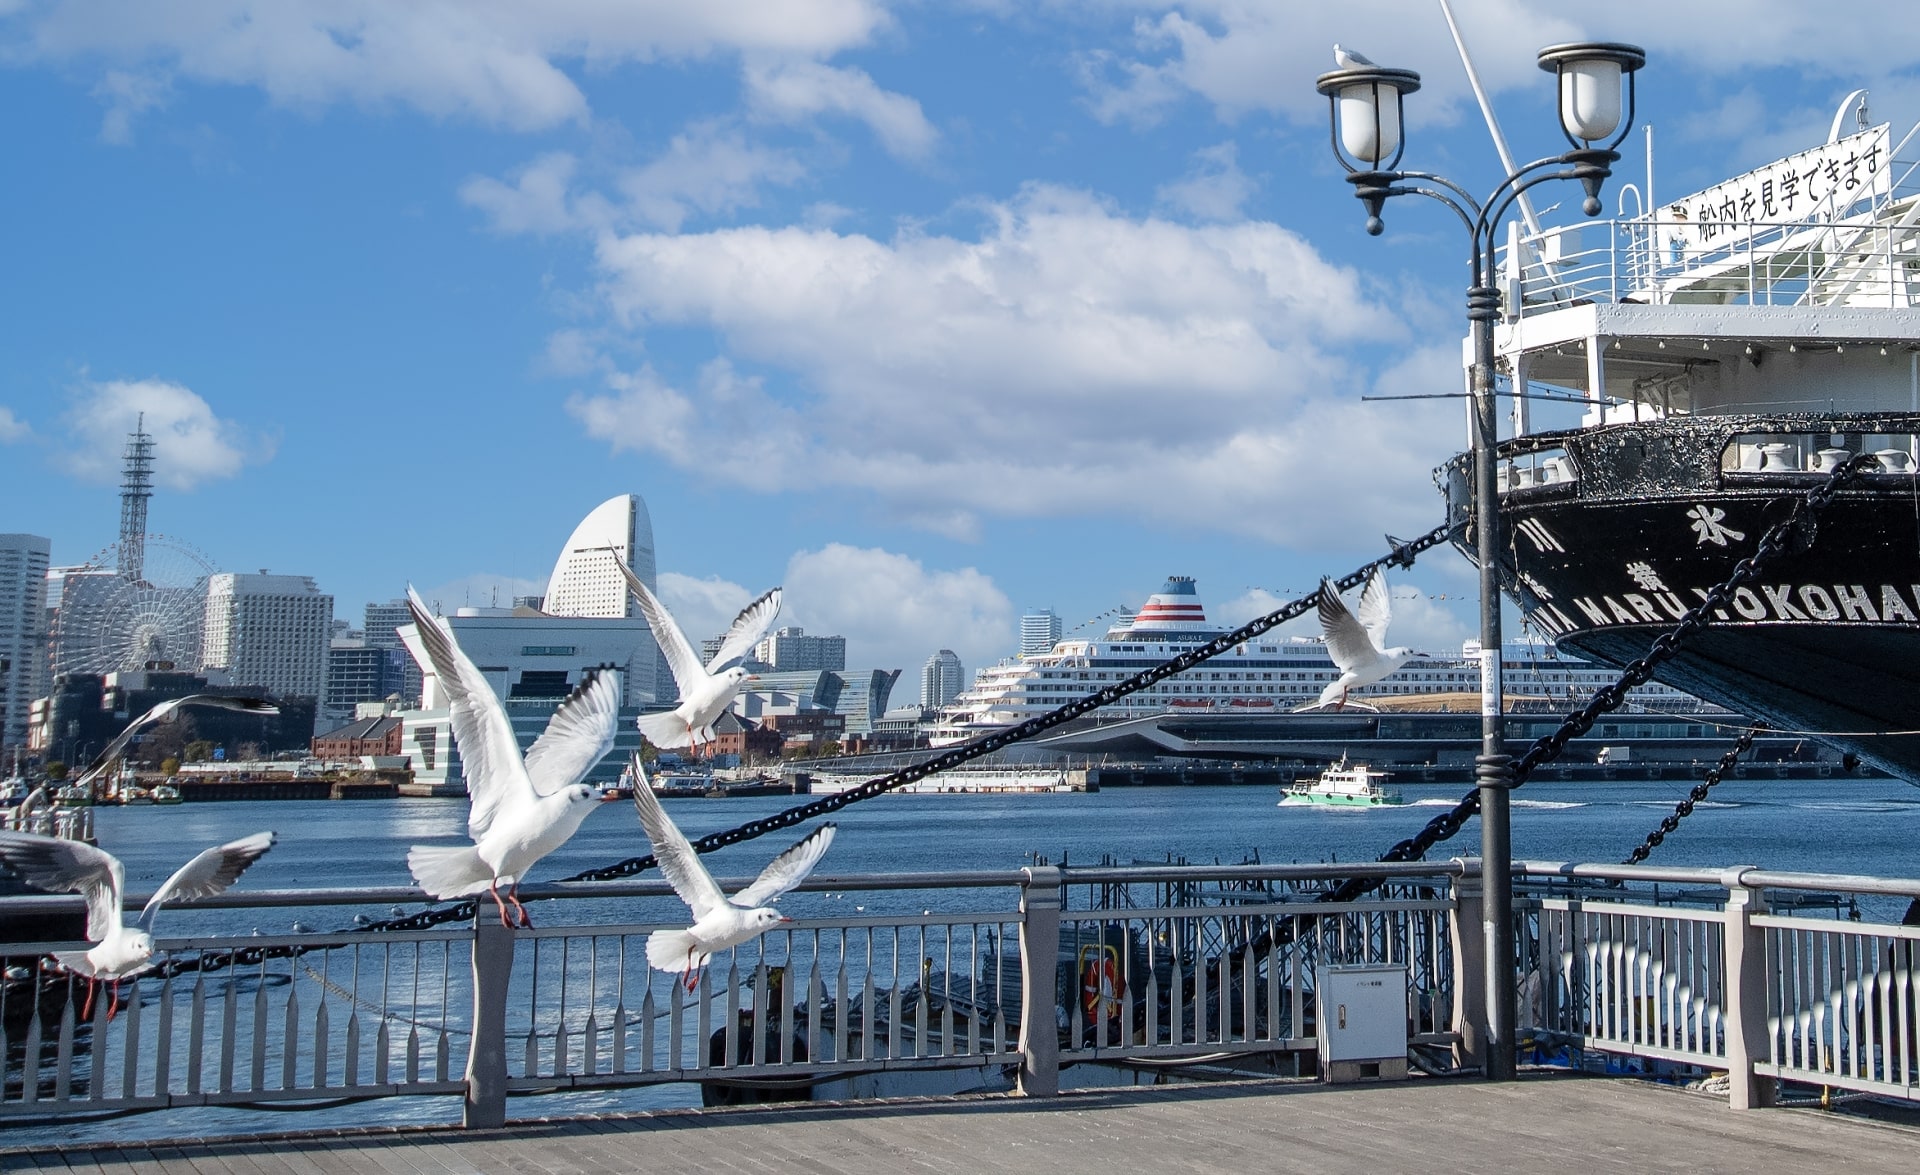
column 932, row 313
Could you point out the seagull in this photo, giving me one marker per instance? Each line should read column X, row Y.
column 719, row 922
column 1348, row 59
column 120, row 951
column 1356, row 646
column 166, row 712
column 705, row 691
column 523, row 808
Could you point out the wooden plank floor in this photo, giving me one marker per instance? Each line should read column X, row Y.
column 1538, row 1124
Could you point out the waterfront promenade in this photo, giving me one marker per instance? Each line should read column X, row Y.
column 1539, row 1123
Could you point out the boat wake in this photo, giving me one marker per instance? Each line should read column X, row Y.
column 1547, row 805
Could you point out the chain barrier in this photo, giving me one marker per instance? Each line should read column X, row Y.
column 1402, row 555
column 1684, row 808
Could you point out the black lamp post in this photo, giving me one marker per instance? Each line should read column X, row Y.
column 1366, row 104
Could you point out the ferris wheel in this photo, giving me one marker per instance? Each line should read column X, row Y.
column 109, row 620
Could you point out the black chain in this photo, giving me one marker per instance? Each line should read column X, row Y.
column 1612, row 697
column 1684, row 808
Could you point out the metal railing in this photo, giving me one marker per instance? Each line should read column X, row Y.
column 1002, row 977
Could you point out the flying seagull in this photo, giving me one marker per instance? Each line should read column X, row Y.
column 1348, row 59
column 120, row 951
column 705, row 690
column 1357, row 646
column 719, row 922
column 523, row 808
column 167, row 711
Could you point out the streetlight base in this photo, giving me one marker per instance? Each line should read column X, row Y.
column 1494, row 774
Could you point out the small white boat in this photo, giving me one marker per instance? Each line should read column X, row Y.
column 1341, row 786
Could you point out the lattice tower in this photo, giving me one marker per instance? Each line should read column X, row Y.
column 136, row 487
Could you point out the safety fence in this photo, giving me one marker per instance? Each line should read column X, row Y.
column 987, row 980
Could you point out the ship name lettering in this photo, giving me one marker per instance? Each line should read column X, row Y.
column 1891, row 602
column 1594, row 614
column 1671, row 602
column 1783, row 607
column 1854, row 602
column 1643, row 606
column 1620, row 614
column 1818, row 602
column 1749, row 605
column 1718, row 613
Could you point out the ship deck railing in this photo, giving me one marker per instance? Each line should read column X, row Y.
column 1011, row 975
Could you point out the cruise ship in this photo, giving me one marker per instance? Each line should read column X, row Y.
column 1267, row 675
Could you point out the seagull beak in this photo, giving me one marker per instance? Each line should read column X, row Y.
column 783, row 918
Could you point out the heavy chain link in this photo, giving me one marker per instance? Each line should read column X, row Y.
column 1684, row 808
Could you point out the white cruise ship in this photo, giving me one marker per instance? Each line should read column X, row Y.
column 1269, row 674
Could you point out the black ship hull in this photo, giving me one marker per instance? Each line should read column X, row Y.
column 1826, row 641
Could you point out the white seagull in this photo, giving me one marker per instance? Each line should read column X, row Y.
column 1358, row 646
column 705, row 690
column 167, row 711
column 719, row 922
column 523, row 808
column 120, row 951
column 1348, row 59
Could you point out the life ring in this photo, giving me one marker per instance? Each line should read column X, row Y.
column 1101, row 988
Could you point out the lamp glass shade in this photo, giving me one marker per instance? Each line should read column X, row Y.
column 1369, row 115
column 1590, row 98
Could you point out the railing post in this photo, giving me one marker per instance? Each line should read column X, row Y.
column 1039, row 958
column 1745, row 996
column 487, row 1051
column 1469, row 967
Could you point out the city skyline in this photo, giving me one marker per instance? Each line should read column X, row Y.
column 408, row 325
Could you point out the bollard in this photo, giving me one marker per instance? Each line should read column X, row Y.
column 1039, row 955
column 1746, row 996
column 1469, row 967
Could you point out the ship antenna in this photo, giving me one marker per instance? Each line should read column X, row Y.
column 1486, row 111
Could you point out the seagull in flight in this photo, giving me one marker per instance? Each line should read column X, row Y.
column 167, row 711
column 719, row 922
column 120, row 951
column 705, row 690
column 1357, row 645
column 523, row 808
column 1348, row 59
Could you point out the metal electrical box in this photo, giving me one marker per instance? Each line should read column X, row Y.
column 1362, row 1025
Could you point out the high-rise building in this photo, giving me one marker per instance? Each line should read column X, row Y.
column 1039, row 632
column 359, row 672
column 940, row 680
column 587, row 583
column 23, row 612
column 268, row 631
column 381, row 626
column 791, row 650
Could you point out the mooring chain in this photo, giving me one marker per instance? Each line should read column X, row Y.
column 1684, row 808
column 1612, row 697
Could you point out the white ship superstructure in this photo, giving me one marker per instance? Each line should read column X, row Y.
column 1267, row 675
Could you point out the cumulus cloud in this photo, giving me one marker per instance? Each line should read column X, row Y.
column 12, row 428
column 895, row 612
column 191, row 444
column 793, row 91
column 492, row 62
column 1213, row 189
column 1070, row 360
column 126, row 95
column 704, row 607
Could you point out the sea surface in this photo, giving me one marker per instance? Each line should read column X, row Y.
column 1830, row 826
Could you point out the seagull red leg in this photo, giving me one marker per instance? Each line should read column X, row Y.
column 494, row 889
column 113, row 998
column 513, row 895
column 86, row 1010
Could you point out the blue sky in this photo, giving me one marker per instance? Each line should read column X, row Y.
column 933, row 313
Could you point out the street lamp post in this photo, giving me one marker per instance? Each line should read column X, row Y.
column 1366, row 108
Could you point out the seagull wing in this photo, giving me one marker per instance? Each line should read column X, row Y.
column 496, row 774
column 753, row 623
column 786, row 870
column 207, row 874
column 1347, row 641
column 579, row 734
column 678, row 861
column 62, row 866
column 165, row 712
column 1376, row 608
column 681, row 658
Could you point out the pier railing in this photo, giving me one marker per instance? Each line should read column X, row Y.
column 958, row 981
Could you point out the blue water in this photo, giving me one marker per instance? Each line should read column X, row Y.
column 1852, row 826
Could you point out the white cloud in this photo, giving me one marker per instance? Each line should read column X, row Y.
column 12, row 428
column 1213, row 189
column 793, row 91
column 1069, row 361
column 494, row 61
column 537, row 201
column 190, row 444
column 895, row 612
column 127, row 95
column 704, row 607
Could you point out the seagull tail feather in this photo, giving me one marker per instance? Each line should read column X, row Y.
column 673, row 950
column 665, row 730
column 448, row 871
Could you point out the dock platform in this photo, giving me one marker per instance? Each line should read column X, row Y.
column 1542, row 1122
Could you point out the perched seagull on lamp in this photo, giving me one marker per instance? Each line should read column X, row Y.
column 523, row 808
column 705, row 690
column 1348, row 59
column 120, row 951
column 719, row 922
column 1357, row 645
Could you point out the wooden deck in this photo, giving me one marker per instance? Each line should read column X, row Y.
column 1538, row 1124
